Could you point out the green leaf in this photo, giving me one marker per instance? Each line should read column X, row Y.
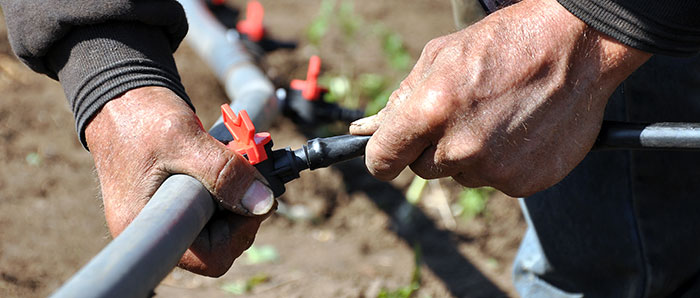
column 240, row 287
column 409, row 290
column 263, row 254
column 319, row 26
column 472, row 201
column 395, row 50
column 371, row 84
column 349, row 21
column 256, row 280
column 235, row 288
column 415, row 190
column 317, row 30
column 33, row 159
column 378, row 102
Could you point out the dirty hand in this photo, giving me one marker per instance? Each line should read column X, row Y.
column 140, row 138
column 515, row 101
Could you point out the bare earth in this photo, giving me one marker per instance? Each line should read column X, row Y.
column 360, row 241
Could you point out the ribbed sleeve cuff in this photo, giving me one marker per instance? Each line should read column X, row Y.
column 98, row 63
column 641, row 26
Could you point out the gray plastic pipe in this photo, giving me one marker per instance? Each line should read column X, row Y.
column 136, row 261
column 640, row 136
column 223, row 51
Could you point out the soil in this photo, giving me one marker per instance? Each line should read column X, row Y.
column 355, row 236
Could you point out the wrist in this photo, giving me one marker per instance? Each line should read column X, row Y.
column 612, row 59
column 98, row 63
column 550, row 33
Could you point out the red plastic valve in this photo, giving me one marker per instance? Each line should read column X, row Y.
column 245, row 140
column 309, row 88
column 252, row 26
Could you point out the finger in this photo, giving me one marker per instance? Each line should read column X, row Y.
column 237, row 189
column 426, row 165
column 397, row 142
column 366, row 126
column 230, row 178
column 223, row 240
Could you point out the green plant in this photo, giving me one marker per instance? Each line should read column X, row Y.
column 350, row 22
column 319, row 26
column 262, row 254
column 393, row 48
column 415, row 190
column 242, row 287
column 408, row 290
column 349, row 88
column 472, row 201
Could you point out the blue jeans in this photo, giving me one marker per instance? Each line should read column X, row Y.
column 623, row 223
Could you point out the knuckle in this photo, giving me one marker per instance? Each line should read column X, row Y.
column 176, row 125
column 405, row 88
column 436, row 106
column 433, row 47
column 380, row 160
column 466, row 151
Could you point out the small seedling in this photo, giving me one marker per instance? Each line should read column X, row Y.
column 240, row 287
column 408, row 290
column 393, row 48
column 263, row 254
column 415, row 190
column 319, row 26
column 350, row 22
column 349, row 88
column 472, row 202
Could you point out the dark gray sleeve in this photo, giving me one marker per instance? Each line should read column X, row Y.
column 98, row 49
column 660, row 27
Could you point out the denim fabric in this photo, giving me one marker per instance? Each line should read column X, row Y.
column 623, row 223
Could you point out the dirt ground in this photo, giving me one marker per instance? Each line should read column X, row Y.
column 359, row 237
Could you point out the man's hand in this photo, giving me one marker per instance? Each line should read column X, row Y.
column 140, row 138
column 514, row 101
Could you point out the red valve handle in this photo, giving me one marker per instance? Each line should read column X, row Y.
column 245, row 140
column 252, row 26
column 309, row 88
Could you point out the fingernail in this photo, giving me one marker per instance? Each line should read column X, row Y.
column 361, row 122
column 258, row 199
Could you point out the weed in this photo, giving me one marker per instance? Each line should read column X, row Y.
column 242, row 287
column 350, row 22
column 262, row 254
column 472, row 202
column 408, row 290
column 319, row 26
column 415, row 190
column 349, row 88
column 393, row 48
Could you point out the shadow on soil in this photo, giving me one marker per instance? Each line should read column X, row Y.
column 439, row 250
